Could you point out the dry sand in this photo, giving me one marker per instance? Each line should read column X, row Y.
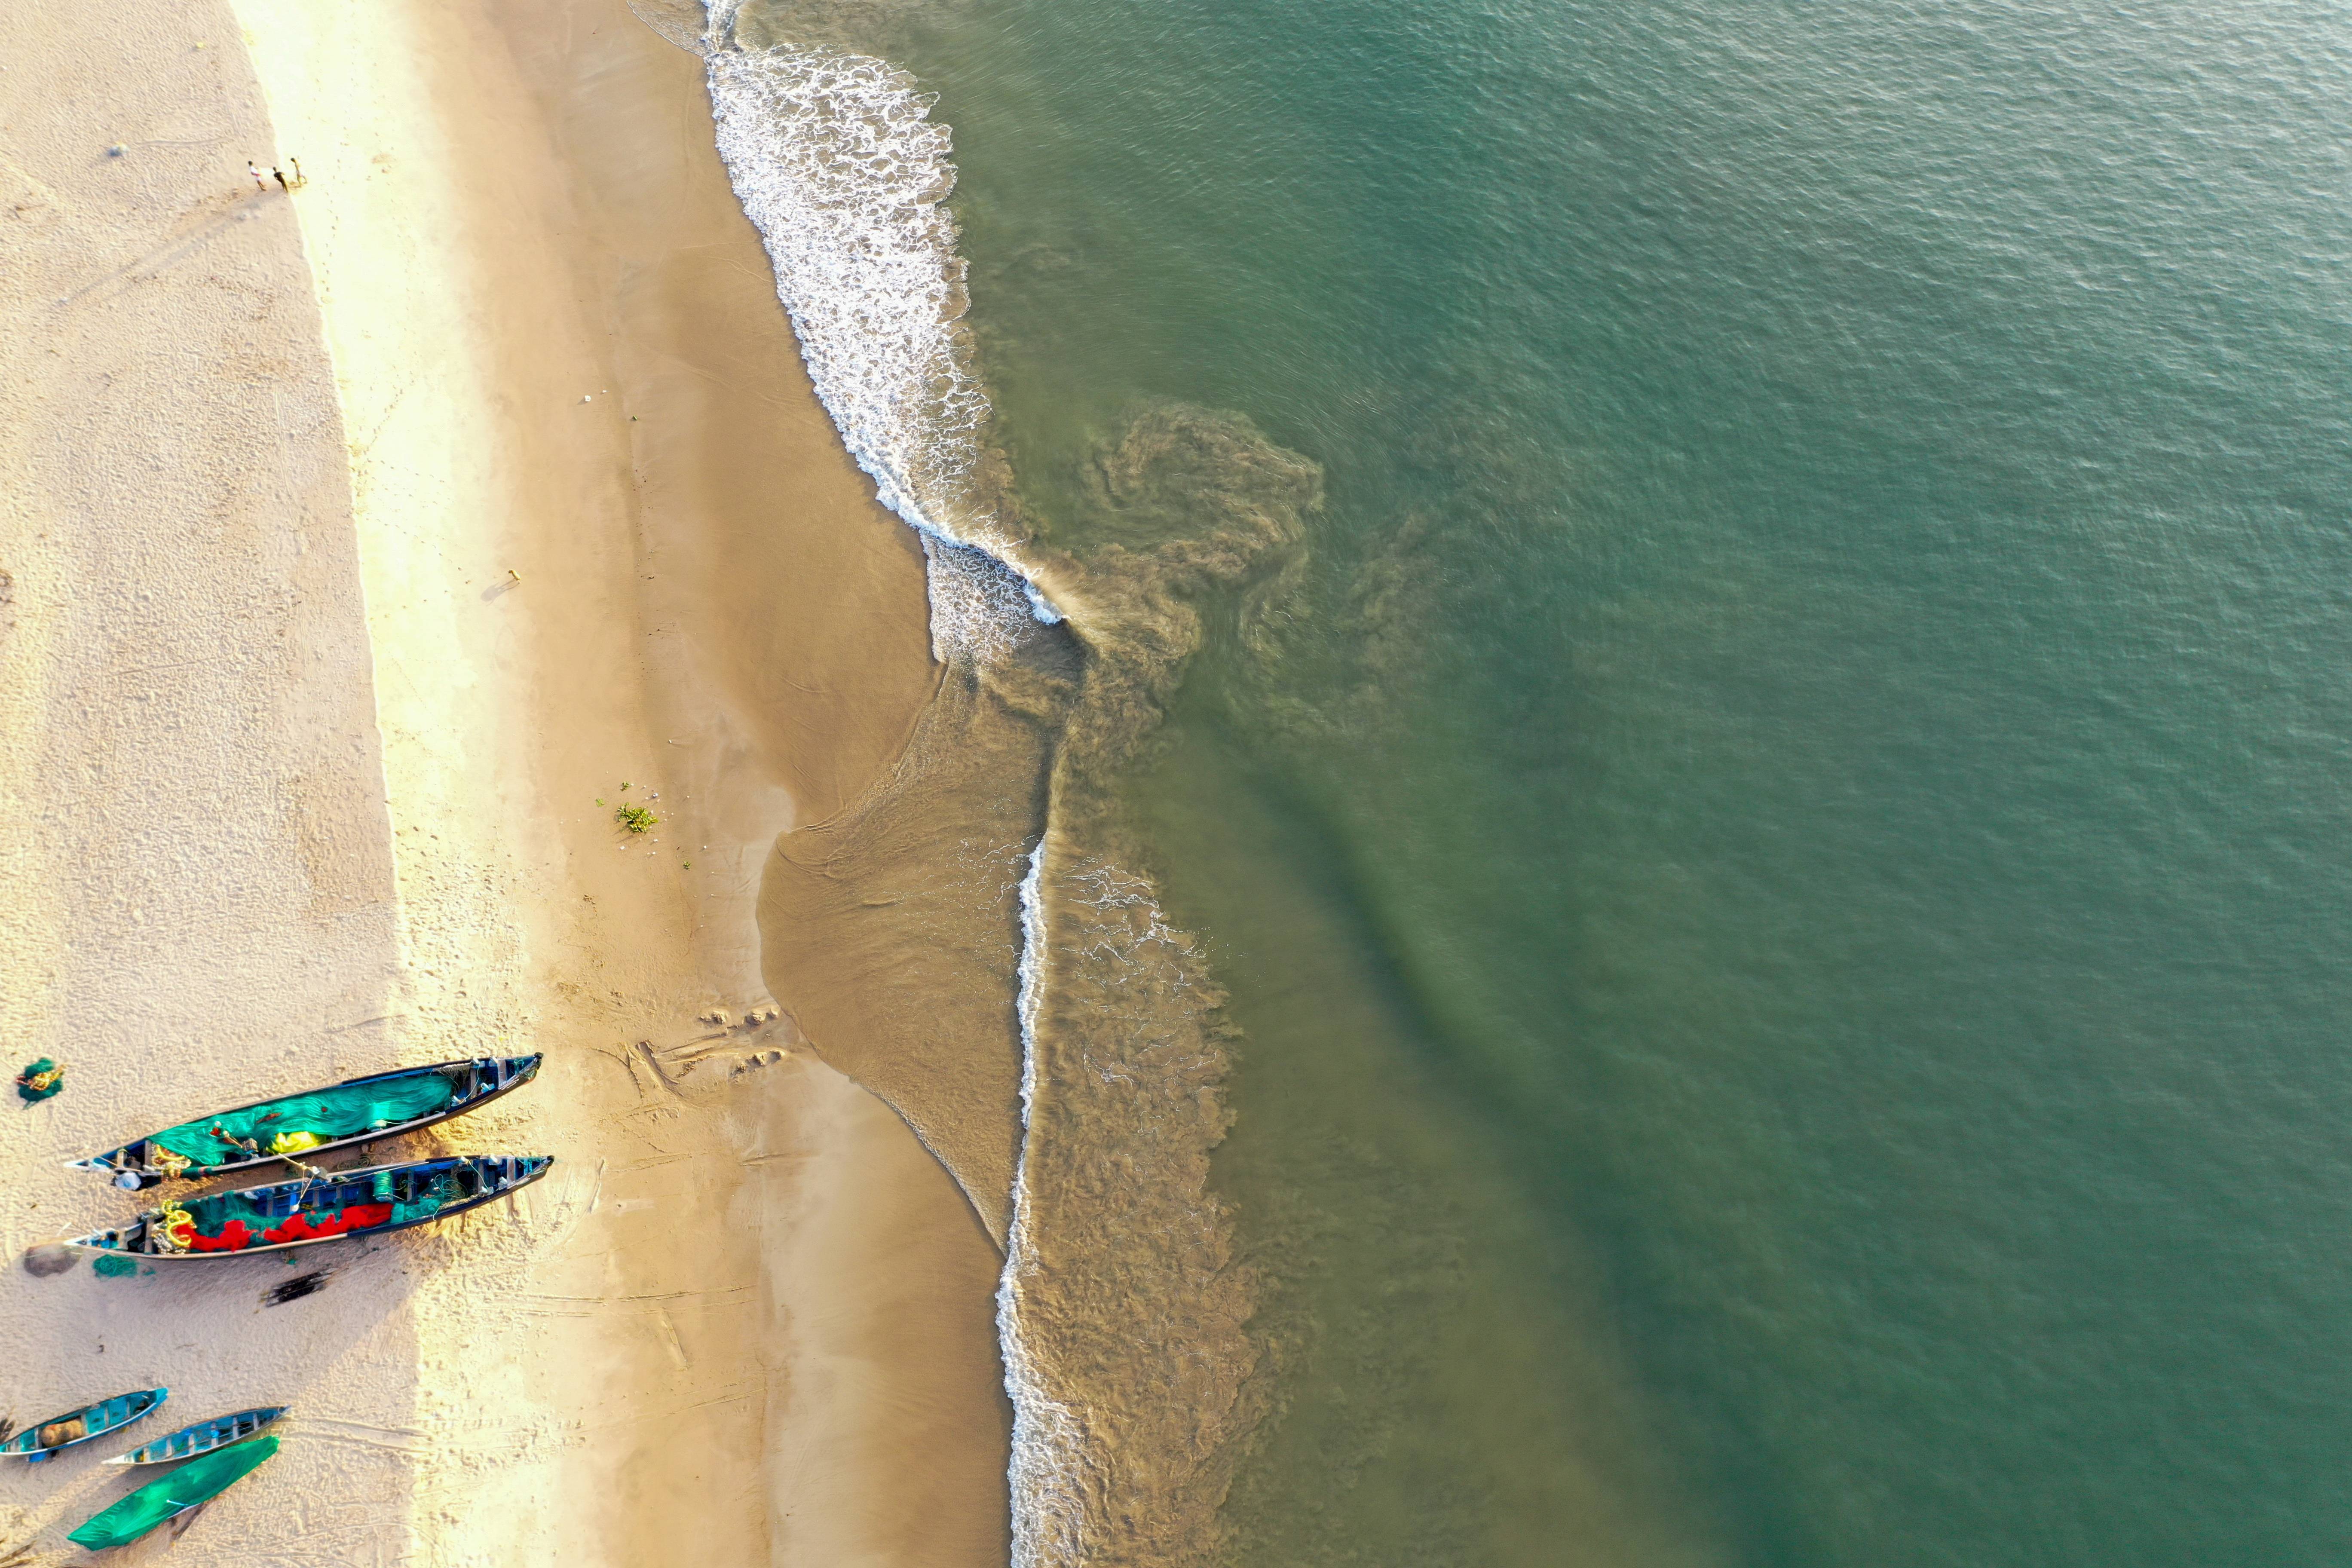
column 359, row 543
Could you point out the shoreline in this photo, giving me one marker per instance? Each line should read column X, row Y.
column 595, row 530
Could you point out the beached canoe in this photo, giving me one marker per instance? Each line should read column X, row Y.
column 286, row 1215
column 40, row 1440
column 190, row 1487
column 381, row 1106
column 201, row 1438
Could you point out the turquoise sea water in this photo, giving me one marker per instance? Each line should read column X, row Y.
column 1780, row 849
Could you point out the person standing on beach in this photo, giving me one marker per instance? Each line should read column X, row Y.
column 258, row 182
column 281, row 177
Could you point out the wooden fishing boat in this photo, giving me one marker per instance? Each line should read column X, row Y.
column 58, row 1433
column 383, row 1105
column 283, row 1215
column 178, row 1494
column 201, row 1438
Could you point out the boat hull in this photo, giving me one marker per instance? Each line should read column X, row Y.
column 476, row 1081
column 58, row 1433
column 469, row 1180
column 202, row 1437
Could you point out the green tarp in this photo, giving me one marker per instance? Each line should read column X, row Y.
column 199, row 1481
column 329, row 1114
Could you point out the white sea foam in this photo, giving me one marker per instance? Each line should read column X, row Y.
column 838, row 161
column 1049, row 1450
column 1032, row 931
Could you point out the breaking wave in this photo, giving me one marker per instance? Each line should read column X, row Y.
column 838, row 161
column 1122, row 1314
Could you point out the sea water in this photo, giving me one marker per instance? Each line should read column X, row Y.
column 1699, row 868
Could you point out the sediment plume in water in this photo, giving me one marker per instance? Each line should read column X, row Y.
column 1123, row 1315
column 978, row 938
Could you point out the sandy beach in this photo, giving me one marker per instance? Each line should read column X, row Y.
column 365, row 546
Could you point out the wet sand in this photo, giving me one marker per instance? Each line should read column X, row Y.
column 514, row 494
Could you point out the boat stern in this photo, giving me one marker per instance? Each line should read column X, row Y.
column 128, row 1238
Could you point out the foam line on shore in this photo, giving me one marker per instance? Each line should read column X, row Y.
column 841, row 168
column 1048, row 1440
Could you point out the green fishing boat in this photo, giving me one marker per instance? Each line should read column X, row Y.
column 190, row 1487
column 382, row 1105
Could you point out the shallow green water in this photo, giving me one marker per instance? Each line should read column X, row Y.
column 1782, row 861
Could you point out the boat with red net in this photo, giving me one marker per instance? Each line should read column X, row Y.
column 322, row 1207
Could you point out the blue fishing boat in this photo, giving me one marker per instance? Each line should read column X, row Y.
column 43, row 1439
column 201, row 1438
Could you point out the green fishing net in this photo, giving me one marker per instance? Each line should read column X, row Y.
column 114, row 1266
column 40, row 1080
column 327, row 1115
column 199, row 1481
